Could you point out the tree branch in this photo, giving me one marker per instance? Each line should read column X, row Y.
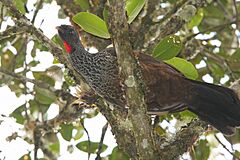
column 25, row 79
column 148, row 24
column 104, row 129
column 10, row 32
column 22, row 21
column 133, row 133
column 179, row 144
column 225, row 147
column 39, row 5
column 187, row 136
column 168, row 27
column 88, row 40
column 141, row 130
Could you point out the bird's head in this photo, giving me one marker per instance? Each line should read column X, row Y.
column 69, row 37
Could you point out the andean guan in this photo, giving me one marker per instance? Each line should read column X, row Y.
column 167, row 89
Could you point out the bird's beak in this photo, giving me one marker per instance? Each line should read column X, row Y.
column 60, row 31
column 59, row 28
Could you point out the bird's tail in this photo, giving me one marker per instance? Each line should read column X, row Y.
column 217, row 105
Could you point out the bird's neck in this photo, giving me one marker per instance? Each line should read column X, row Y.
column 70, row 47
column 81, row 59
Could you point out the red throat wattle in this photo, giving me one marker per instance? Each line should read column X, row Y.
column 67, row 47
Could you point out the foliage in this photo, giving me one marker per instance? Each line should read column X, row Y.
column 92, row 24
column 218, row 51
column 168, row 47
column 133, row 8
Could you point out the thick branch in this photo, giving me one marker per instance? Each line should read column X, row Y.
column 133, row 133
column 141, row 130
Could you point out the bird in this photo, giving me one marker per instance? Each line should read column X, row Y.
column 167, row 89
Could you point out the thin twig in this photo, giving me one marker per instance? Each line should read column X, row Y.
column 22, row 21
column 11, row 31
column 236, row 19
column 25, row 79
column 183, row 139
column 39, row 5
column 177, row 7
column 208, row 30
column 26, row 91
column 222, row 62
column 236, row 11
column 235, row 156
column 223, row 8
column 139, row 41
column 104, row 129
column 36, row 137
column 158, row 31
column 47, row 152
column 89, row 142
column 1, row 13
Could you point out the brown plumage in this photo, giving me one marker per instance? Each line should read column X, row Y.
column 167, row 89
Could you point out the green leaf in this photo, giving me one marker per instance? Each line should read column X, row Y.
column 172, row 1
column 55, row 61
column 25, row 157
column 216, row 70
column 40, row 46
column 44, row 96
column 79, row 134
column 105, row 14
column 17, row 114
column 237, row 153
column 55, row 148
column 183, row 66
column 21, row 47
column 7, row 60
column 118, row 154
column 42, row 76
column 15, row 87
column 133, row 8
column 160, row 131
column 20, row 4
column 68, row 79
column 66, row 131
column 168, row 47
column 84, row 4
column 187, row 115
column 51, row 137
column 202, row 150
column 33, row 106
column 90, row 147
column 57, row 40
column 236, row 55
column 55, row 72
column 52, row 142
column 92, row 24
column 197, row 19
column 92, row 113
column 33, row 63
